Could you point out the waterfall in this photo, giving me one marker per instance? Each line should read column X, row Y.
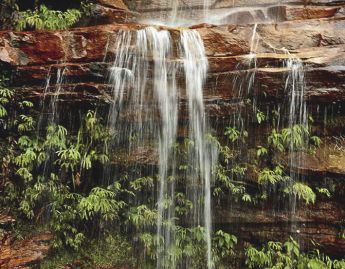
column 131, row 93
column 53, row 93
column 203, row 155
column 297, row 122
column 295, row 86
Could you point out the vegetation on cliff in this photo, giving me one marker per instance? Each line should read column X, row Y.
column 95, row 187
column 43, row 15
column 52, row 179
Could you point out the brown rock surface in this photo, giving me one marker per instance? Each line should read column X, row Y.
column 24, row 253
column 21, row 254
column 117, row 4
column 321, row 222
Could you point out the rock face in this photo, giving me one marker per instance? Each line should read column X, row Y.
column 315, row 35
column 21, row 254
column 320, row 223
column 117, row 4
column 319, row 43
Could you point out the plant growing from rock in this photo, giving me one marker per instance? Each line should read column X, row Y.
column 44, row 18
column 275, row 255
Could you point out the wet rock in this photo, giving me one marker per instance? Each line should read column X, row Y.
column 328, row 160
column 302, row 13
column 117, row 4
column 321, row 222
column 21, row 254
column 25, row 253
column 105, row 15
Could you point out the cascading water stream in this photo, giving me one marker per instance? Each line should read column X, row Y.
column 53, row 93
column 297, row 122
column 203, row 157
column 129, row 76
column 50, row 115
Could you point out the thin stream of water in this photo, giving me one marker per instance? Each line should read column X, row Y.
column 203, row 156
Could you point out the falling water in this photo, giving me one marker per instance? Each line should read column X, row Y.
column 53, row 93
column 295, row 86
column 203, row 155
column 253, row 62
column 129, row 78
column 297, row 117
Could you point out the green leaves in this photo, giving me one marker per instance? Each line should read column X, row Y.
column 276, row 255
column 275, row 140
column 295, row 136
column 26, row 123
column 302, row 191
column 142, row 216
column 271, row 176
column 324, row 191
column 261, row 151
column 233, row 134
column 223, row 244
column 46, row 19
column 5, row 97
column 260, row 116
column 3, row 111
column 102, row 203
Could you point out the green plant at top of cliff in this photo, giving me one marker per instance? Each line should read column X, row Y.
column 43, row 18
column 276, row 255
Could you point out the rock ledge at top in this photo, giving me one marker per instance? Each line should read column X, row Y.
column 117, row 4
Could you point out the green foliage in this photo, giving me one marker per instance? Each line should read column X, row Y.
column 47, row 19
column 272, row 176
column 324, row 191
column 190, row 245
column 114, row 250
column 142, row 216
column 223, row 245
column 50, row 167
column 233, row 134
column 87, row 8
column 302, row 191
column 10, row 107
column 275, row 140
column 101, row 202
column 260, row 117
column 261, row 151
column 276, row 255
column 58, row 174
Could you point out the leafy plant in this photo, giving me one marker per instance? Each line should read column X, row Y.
column 276, row 255
column 302, row 191
column 43, row 18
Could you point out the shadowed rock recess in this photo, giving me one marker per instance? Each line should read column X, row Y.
column 315, row 34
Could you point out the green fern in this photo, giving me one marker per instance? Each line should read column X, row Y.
column 46, row 19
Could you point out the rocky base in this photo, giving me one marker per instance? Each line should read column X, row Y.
column 21, row 254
